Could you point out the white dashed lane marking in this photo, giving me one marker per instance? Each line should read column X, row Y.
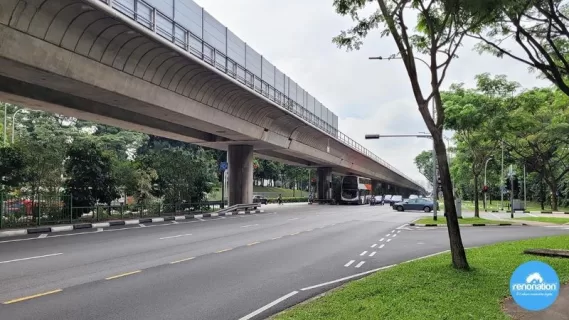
column 360, row 264
column 363, row 253
column 349, row 263
column 374, row 245
column 372, row 254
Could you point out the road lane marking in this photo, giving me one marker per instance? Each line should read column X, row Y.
column 224, row 250
column 393, row 231
column 381, row 239
column 123, row 275
column 382, row 246
column 254, row 243
column 200, row 219
column 374, row 245
column 250, row 225
column 174, row 222
column 43, row 235
column 276, row 238
column 32, row 296
column 182, row 260
column 294, row 234
column 349, row 263
column 363, row 253
column 387, row 235
column 141, row 225
column 268, row 306
column 347, row 278
column 292, row 219
column 398, row 231
column 309, row 230
column 388, row 240
column 30, row 258
column 395, row 235
column 372, row 254
column 99, row 229
column 360, row 264
column 180, row 235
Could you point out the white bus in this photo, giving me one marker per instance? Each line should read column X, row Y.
column 356, row 190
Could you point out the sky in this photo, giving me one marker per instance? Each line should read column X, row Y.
column 369, row 96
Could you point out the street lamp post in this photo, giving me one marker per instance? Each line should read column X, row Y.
column 502, row 181
column 485, row 181
column 377, row 136
column 13, row 122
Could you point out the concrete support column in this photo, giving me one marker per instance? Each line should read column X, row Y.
column 240, row 161
column 376, row 187
column 324, row 183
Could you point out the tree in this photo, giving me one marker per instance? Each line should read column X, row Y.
column 439, row 33
column 12, row 166
column 538, row 133
column 539, row 28
column 89, row 174
column 476, row 116
column 424, row 162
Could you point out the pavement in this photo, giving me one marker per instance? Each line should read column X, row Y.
column 237, row 267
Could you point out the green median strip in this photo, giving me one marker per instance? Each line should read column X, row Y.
column 560, row 220
column 442, row 220
column 431, row 289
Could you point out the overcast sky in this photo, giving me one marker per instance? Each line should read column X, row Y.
column 369, row 96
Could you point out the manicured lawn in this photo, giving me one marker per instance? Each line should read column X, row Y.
column 442, row 220
column 531, row 206
column 269, row 192
column 547, row 219
column 432, row 289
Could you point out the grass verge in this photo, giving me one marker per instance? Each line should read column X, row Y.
column 442, row 220
column 556, row 220
column 432, row 289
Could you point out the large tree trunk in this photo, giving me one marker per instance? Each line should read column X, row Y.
column 458, row 253
column 476, row 206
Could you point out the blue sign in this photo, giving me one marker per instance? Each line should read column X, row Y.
column 534, row 285
column 223, row 166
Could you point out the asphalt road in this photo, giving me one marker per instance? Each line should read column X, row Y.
column 218, row 268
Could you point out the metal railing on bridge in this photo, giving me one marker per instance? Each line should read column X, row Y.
column 146, row 15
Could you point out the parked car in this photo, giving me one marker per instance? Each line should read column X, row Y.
column 387, row 199
column 415, row 204
column 395, row 199
column 375, row 200
column 259, row 199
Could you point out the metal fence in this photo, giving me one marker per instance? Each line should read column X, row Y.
column 145, row 15
column 17, row 212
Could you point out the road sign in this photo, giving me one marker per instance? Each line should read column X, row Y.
column 223, row 166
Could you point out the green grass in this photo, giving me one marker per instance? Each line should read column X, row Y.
column 442, row 220
column 547, row 219
column 531, row 206
column 269, row 192
column 432, row 289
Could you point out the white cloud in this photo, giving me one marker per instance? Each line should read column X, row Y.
column 369, row 96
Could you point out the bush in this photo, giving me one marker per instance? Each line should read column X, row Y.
column 288, row 200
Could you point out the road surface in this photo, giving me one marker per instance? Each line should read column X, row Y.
column 218, row 268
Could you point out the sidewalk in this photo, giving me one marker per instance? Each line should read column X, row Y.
column 558, row 311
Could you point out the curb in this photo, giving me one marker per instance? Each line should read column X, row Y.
column 464, row 225
column 535, row 212
column 71, row 227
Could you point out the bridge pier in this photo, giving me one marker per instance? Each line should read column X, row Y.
column 324, row 183
column 240, row 162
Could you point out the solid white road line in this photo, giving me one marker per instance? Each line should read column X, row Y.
column 428, row 256
column 103, row 225
column 381, row 239
column 349, row 263
column 180, row 235
column 43, row 235
column 292, row 219
column 382, row 246
column 30, row 258
column 346, row 278
column 360, row 264
column 363, row 253
column 374, row 245
column 372, row 254
column 268, row 306
column 61, row 228
column 388, row 240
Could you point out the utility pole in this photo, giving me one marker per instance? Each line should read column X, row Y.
column 502, row 180
column 525, row 203
column 512, row 191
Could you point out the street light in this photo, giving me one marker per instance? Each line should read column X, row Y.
column 13, row 122
column 377, row 136
column 485, row 182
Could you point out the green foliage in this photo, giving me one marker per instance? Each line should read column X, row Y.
column 90, row 179
column 12, row 166
column 424, row 162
